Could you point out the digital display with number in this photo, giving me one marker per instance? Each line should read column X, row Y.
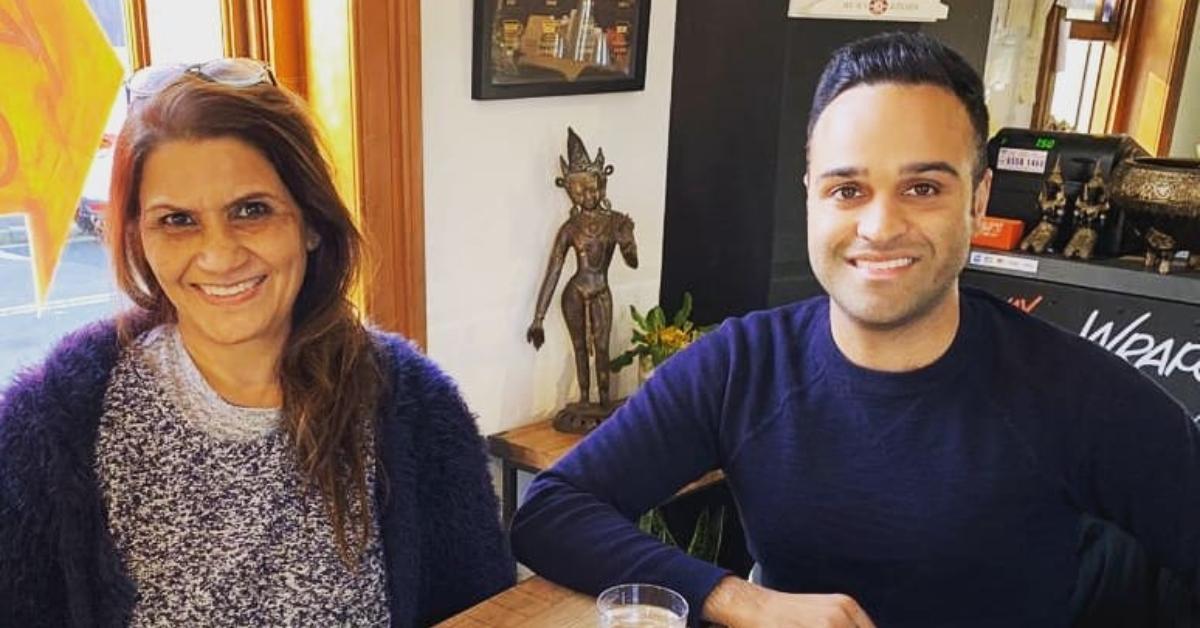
column 1044, row 143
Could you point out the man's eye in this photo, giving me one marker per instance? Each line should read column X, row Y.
column 253, row 209
column 177, row 219
column 923, row 189
column 846, row 193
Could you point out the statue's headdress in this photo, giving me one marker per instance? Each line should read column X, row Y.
column 579, row 161
column 1056, row 175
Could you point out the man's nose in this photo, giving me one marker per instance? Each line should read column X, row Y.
column 882, row 220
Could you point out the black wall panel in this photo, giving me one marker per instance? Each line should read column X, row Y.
column 743, row 82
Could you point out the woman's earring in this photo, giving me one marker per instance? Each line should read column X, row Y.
column 314, row 240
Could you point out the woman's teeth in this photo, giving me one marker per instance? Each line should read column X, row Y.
column 229, row 291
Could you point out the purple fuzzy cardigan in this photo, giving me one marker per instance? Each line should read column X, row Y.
column 443, row 545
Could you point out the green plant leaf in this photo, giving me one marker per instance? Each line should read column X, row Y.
column 637, row 317
column 652, row 523
column 657, row 319
column 685, row 310
column 621, row 361
column 658, row 355
column 708, row 535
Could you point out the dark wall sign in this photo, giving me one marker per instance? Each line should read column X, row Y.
column 1159, row 338
column 527, row 48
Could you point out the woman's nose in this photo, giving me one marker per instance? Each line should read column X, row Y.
column 221, row 250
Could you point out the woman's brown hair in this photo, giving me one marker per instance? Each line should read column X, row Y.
column 329, row 374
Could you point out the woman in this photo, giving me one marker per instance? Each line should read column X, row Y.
column 238, row 449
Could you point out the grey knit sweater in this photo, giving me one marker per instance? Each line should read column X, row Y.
column 209, row 511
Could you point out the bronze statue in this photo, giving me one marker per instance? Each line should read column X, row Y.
column 1053, row 202
column 593, row 232
column 1091, row 212
column 1160, row 250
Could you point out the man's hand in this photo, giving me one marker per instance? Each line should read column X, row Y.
column 737, row 603
column 535, row 335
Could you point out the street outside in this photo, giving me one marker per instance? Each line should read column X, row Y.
column 83, row 291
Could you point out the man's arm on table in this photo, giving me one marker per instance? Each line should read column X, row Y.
column 577, row 528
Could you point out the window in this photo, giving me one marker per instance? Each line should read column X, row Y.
column 83, row 289
column 183, row 32
column 287, row 35
column 1075, row 81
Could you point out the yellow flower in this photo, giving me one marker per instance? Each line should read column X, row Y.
column 674, row 337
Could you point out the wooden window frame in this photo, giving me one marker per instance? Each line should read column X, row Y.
column 1120, row 108
column 1112, row 104
column 136, row 33
column 271, row 31
column 387, row 64
column 246, row 28
column 1175, row 88
column 1044, row 94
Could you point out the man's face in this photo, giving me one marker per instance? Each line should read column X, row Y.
column 891, row 204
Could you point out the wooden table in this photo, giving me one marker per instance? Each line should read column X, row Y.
column 538, row 446
column 534, row 603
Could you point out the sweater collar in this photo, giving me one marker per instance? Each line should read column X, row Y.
column 857, row 380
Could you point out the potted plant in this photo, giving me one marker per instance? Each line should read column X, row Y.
column 654, row 340
column 707, row 535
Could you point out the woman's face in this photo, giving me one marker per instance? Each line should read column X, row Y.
column 224, row 238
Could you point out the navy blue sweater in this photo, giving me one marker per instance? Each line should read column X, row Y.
column 946, row 496
column 443, row 546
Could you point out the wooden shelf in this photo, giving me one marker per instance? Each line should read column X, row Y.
column 535, row 446
column 538, row 446
column 1121, row 275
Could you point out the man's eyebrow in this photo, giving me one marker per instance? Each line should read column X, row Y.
column 921, row 167
column 845, row 172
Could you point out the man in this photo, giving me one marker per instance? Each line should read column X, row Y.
column 904, row 452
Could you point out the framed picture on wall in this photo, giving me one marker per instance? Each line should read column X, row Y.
column 526, row 48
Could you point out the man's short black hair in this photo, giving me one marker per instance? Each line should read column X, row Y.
column 908, row 59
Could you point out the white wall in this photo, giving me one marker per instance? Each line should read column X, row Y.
column 491, row 212
column 1187, row 121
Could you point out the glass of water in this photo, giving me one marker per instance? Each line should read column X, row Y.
column 641, row 606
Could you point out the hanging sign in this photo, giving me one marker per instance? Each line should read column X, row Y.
column 877, row 10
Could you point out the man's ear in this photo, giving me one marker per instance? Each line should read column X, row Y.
column 983, row 192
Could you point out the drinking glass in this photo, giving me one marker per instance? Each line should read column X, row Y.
column 641, row 606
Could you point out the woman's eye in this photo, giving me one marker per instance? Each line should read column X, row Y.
column 177, row 219
column 253, row 209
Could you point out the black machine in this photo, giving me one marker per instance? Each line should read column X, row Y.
column 1021, row 159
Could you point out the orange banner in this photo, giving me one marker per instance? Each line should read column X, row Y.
column 60, row 77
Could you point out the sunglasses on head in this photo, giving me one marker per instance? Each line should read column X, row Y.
column 234, row 72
